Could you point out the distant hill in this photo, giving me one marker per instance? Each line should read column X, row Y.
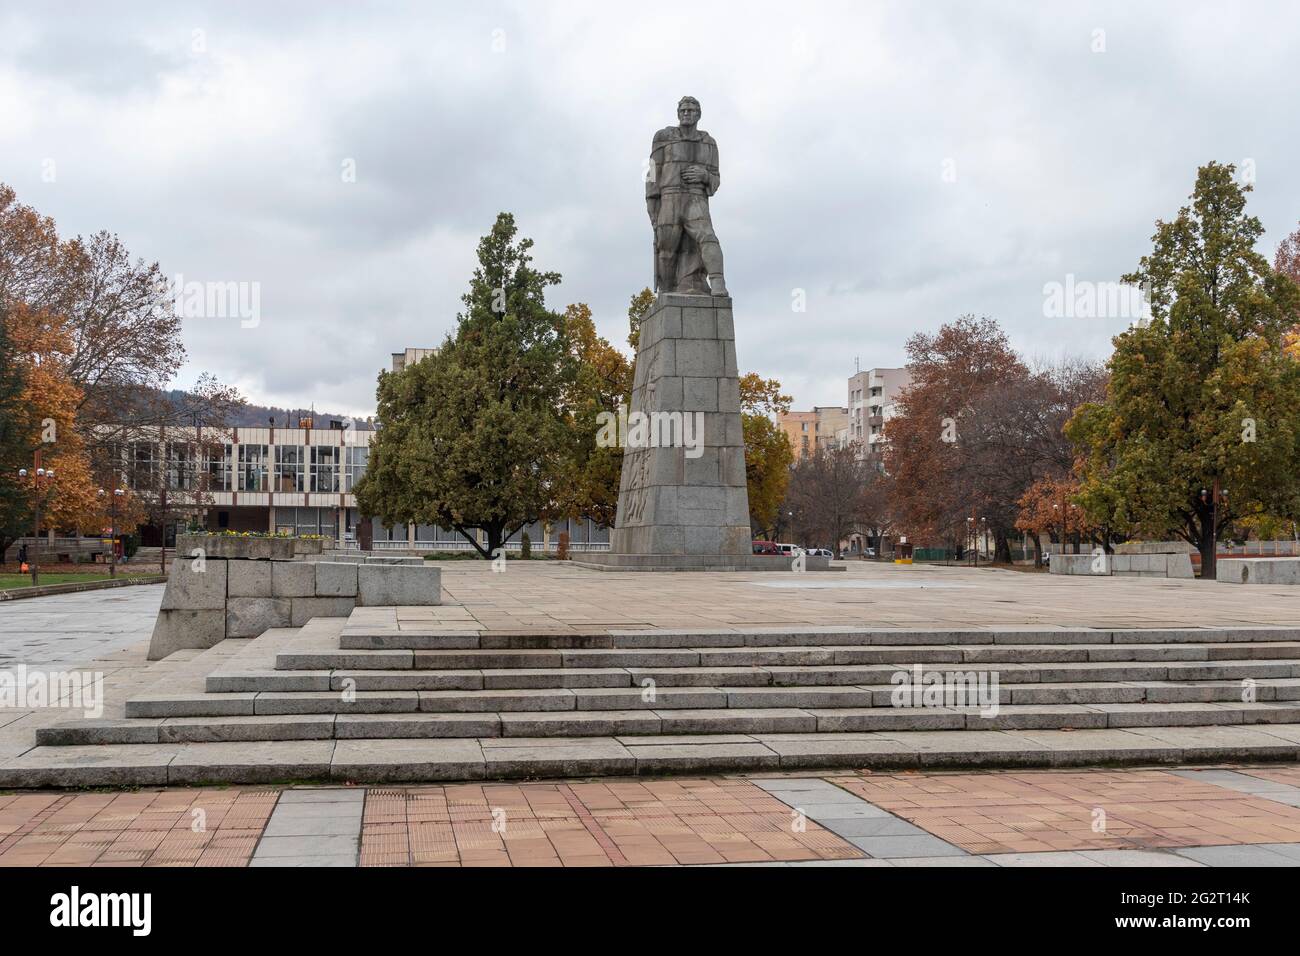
column 257, row 416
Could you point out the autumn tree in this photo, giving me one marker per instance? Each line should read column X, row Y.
column 830, row 494
column 768, row 454
column 949, row 429
column 1204, row 397
column 1287, row 261
column 119, row 341
column 1048, row 507
column 636, row 312
column 14, row 519
column 41, row 419
column 478, row 437
column 125, row 335
column 602, row 384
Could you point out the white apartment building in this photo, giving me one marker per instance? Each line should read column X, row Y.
column 872, row 401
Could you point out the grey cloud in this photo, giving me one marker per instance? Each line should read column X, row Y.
column 834, row 120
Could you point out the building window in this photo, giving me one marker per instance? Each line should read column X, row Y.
column 356, row 459
column 182, row 466
column 143, row 464
column 325, row 468
column 219, row 461
column 289, row 468
column 253, row 460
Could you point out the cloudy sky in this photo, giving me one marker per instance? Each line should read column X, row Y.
column 900, row 163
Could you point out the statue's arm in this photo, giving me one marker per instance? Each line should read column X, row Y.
column 652, row 186
column 715, row 177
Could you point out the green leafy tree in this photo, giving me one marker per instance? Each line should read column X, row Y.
column 478, row 437
column 1204, row 395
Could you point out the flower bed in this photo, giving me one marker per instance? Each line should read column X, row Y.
column 258, row 547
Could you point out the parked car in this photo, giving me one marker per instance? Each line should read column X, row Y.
column 765, row 547
column 821, row 552
column 869, row 553
column 788, row 549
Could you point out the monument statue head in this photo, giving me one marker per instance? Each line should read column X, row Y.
column 688, row 111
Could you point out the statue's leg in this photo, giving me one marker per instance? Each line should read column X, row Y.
column 668, row 236
column 700, row 228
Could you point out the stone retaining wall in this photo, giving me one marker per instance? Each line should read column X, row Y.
column 209, row 600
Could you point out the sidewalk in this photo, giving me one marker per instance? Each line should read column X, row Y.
column 1238, row 816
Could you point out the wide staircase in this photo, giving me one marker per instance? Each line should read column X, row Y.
column 370, row 699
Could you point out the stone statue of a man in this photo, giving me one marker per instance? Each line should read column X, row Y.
column 682, row 175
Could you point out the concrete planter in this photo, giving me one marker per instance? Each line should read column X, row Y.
column 308, row 545
column 236, row 548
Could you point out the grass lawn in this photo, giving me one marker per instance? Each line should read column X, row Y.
column 8, row 581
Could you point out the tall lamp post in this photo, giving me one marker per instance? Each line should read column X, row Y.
column 1215, row 496
column 118, row 494
column 41, row 480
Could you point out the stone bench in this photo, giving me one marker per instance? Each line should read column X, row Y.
column 210, row 599
column 1258, row 570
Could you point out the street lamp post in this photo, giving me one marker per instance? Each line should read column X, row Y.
column 40, row 477
column 1058, row 508
column 118, row 493
column 1216, row 495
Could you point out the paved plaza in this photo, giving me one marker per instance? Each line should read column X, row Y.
column 551, row 595
column 1243, row 816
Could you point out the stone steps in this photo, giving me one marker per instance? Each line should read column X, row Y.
column 712, row 697
column 231, row 680
column 381, row 696
column 506, row 758
column 649, row 722
column 477, row 658
column 401, row 638
column 300, row 657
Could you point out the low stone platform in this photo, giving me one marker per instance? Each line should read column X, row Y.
column 1281, row 571
column 1145, row 559
column 605, row 561
column 216, row 597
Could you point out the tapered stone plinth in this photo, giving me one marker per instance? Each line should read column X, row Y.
column 682, row 501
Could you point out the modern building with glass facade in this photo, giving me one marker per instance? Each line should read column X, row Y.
column 291, row 481
column 269, row 479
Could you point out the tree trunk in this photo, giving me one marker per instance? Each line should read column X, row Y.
column 495, row 539
column 1207, row 549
